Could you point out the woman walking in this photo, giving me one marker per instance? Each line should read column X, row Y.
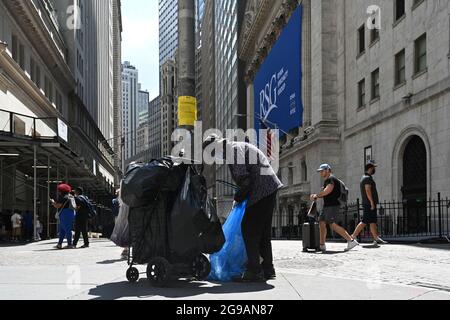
column 65, row 203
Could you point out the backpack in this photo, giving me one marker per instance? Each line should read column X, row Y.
column 343, row 198
column 92, row 213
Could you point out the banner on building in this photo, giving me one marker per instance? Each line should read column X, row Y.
column 277, row 85
column 187, row 111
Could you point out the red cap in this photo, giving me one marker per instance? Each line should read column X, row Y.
column 64, row 188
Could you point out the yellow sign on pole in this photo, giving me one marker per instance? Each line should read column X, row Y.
column 187, row 111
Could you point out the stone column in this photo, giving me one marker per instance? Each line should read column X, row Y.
column 306, row 63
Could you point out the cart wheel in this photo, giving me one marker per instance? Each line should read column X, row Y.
column 201, row 267
column 158, row 272
column 132, row 275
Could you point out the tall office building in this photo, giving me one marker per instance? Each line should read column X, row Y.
column 142, row 106
column 155, row 128
column 168, row 30
column 229, row 89
column 168, row 105
column 130, row 92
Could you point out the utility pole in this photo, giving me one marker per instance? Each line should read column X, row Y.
column 187, row 103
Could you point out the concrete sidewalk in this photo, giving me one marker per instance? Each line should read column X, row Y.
column 37, row 271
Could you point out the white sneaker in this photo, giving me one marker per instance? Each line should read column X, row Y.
column 323, row 248
column 351, row 245
column 380, row 241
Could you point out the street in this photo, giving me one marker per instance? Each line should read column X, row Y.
column 394, row 272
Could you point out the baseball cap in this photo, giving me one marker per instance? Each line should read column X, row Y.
column 324, row 167
column 371, row 164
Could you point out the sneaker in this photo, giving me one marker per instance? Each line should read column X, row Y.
column 380, row 241
column 70, row 247
column 85, row 246
column 351, row 245
column 249, row 277
column 59, row 247
column 323, row 248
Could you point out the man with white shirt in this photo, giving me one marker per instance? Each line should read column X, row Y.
column 16, row 220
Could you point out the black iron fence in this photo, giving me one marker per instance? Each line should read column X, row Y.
column 396, row 220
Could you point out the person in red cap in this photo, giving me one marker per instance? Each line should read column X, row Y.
column 65, row 203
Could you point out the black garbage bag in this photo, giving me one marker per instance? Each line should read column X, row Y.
column 194, row 225
column 148, row 230
column 142, row 182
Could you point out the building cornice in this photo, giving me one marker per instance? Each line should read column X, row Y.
column 256, row 12
column 46, row 42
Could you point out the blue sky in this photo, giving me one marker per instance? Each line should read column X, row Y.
column 140, row 41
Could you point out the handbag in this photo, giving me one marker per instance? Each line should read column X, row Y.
column 58, row 212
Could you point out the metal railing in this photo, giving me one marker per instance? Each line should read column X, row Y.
column 21, row 125
column 396, row 220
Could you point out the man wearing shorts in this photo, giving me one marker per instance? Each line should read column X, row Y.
column 370, row 201
column 330, row 194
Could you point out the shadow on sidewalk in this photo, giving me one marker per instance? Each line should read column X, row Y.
column 176, row 289
column 112, row 261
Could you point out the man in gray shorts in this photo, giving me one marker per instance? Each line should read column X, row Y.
column 330, row 194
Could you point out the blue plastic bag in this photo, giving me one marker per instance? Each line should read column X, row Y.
column 231, row 260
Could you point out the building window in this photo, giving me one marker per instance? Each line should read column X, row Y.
column 375, row 92
column 304, row 171
column 416, row 3
column 420, row 54
column 291, row 174
column 399, row 9
column 400, row 74
column 361, row 40
column 374, row 33
column 15, row 48
column 362, row 93
column 367, row 155
column 48, row 89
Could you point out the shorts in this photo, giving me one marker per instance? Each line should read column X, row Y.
column 330, row 214
column 369, row 215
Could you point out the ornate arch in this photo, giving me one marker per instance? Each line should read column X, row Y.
column 397, row 158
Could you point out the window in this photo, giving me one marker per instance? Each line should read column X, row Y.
column 367, row 155
column 420, row 54
column 48, row 89
column 361, row 40
column 362, row 93
column 375, row 84
column 35, row 72
column 15, row 48
column 374, row 33
column 416, row 3
column 400, row 75
column 291, row 174
column 399, row 9
column 304, row 171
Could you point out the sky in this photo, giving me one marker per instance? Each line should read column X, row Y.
column 140, row 41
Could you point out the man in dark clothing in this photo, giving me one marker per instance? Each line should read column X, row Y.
column 81, row 218
column 331, row 208
column 370, row 200
column 257, row 182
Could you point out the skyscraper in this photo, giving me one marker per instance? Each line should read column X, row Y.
column 130, row 91
column 168, row 30
column 229, row 91
column 142, row 106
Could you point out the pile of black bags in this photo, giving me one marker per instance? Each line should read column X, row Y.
column 170, row 214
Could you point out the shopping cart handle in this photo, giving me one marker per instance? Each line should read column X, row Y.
column 233, row 186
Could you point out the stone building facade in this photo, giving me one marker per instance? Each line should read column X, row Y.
column 367, row 94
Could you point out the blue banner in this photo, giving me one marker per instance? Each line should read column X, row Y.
column 277, row 85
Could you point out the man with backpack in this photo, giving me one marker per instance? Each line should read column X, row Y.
column 85, row 212
column 370, row 201
column 334, row 194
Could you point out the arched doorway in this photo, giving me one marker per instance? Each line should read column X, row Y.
column 414, row 189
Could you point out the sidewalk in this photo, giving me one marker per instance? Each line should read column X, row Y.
column 393, row 272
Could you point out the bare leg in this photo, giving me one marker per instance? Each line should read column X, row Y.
column 341, row 231
column 358, row 230
column 374, row 231
column 323, row 232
